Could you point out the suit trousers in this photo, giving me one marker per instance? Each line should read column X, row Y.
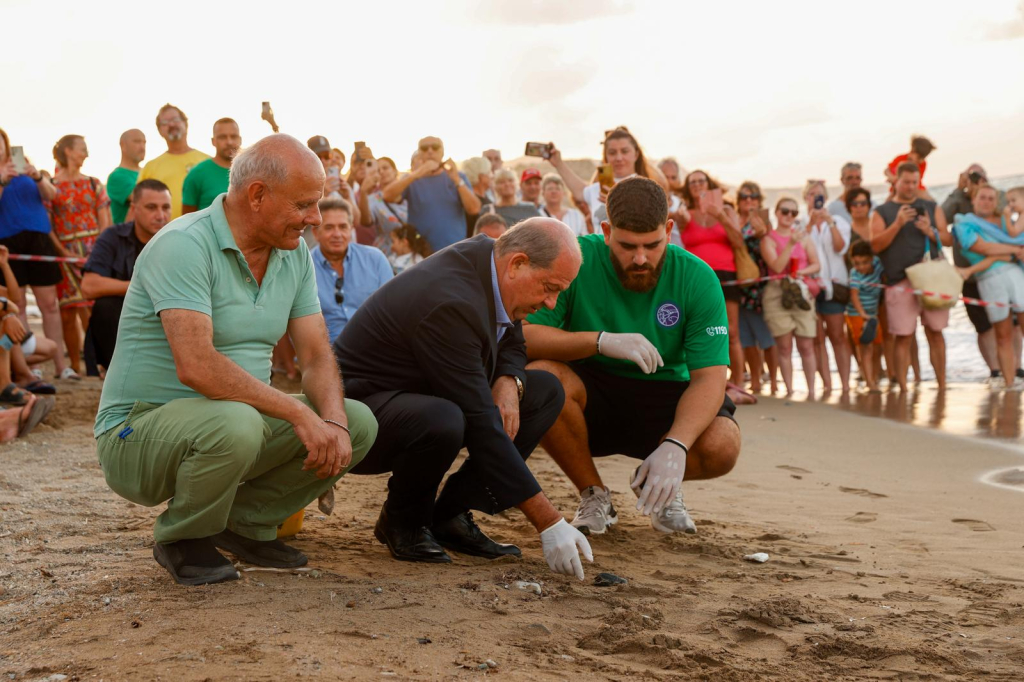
column 420, row 437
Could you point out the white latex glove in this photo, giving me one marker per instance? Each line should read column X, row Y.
column 562, row 545
column 633, row 347
column 663, row 472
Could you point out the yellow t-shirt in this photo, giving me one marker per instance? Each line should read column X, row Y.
column 171, row 170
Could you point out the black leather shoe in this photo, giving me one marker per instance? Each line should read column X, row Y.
column 270, row 553
column 407, row 543
column 461, row 534
column 194, row 562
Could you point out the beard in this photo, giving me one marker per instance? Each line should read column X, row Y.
column 630, row 277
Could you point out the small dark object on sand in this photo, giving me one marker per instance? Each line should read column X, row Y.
column 609, row 580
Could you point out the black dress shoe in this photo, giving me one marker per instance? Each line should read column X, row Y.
column 461, row 534
column 409, row 543
column 194, row 562
column 270, row 553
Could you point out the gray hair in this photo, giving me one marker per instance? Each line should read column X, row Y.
column 541, row 241
column 503, row 173
column 668, row 161
column 849, row 166
column 552, row 179
column 475, row 167
column 335, row 204
column 262, row 161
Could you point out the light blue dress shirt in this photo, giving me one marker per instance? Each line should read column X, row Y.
column 366, row 270
column 500, row 314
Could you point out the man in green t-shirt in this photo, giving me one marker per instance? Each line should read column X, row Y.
column 121, row 181
column 188, row 415
column 640, row 342
column 209, row 179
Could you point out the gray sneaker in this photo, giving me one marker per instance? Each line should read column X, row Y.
column 596, row 512
column 673, row 517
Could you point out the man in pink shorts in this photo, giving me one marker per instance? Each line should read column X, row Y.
column 903, row 230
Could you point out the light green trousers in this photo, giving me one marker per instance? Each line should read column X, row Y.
column 221, row 464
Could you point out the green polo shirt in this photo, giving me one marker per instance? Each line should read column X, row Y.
column 683, row 315
column 194, row 264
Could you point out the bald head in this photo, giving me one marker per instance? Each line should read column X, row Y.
column 133, row 147
column 272, row 161
column 535, row 261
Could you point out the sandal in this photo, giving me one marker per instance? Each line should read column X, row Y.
column 34, row 413
column 13, row 395
column 40, row 388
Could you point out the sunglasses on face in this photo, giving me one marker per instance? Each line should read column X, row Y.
column 789, row 211
column 860, row 202
column 749, row 196
column 429, row 147
column 339, row 293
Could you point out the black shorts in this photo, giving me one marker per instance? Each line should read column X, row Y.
column 732, row 292
column 976, row 313
column 29, row 273
column 630, row 416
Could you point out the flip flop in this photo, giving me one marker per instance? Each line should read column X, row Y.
column 12, row 395
column 40, row 388
column 37, row 412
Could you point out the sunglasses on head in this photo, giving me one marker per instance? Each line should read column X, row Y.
column 428, row 147
column 789, row 211
column 743, row 196
column 339, row 290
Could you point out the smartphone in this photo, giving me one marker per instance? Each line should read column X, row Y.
column 819, row 202
column 18, row 159
column 764, row 214
column 266, row 109
column 541, row 149
column 712, row 197
column 919, row 210
column 333, row 171
column 605, row 176
column 975, row 177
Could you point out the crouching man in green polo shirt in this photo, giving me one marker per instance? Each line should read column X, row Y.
column 640, row 343
column 187, row 412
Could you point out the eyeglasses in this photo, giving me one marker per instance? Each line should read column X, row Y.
column 339, row 290
column 170, row 121
column 860, row 202
column 697, row 181
column 428, row 147
column 789, row 211
column 743, row 196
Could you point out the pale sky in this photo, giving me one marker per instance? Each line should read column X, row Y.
column 776, row 91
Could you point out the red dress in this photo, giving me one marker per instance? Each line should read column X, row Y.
column 75, row 215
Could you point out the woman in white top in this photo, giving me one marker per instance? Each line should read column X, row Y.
column 831, row 237
column 622, row 152
column 553, row 190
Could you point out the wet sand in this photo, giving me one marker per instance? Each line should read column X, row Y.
column 889, row 560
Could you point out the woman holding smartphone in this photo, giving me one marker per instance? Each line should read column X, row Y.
column 711, row 233
column 755, row 337
column 831, row 237
column 80, row 211
column 25, row 229
column 787, row 250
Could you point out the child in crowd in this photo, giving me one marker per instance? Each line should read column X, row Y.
column 408, row 247
column 862, row 311
column 1014, row 207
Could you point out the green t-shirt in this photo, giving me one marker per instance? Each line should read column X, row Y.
column 120, row 184
column 194, row 264
column 683, row 315
column 204, row 183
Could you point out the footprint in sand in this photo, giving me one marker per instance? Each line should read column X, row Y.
column 863, row 517
column 860, row 491
column 796, row 470
column 975, row 525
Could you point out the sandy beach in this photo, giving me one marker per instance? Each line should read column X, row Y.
column 889, row 559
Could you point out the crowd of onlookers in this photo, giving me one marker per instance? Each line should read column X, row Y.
column 830, row 273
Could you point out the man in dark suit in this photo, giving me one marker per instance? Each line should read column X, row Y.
column 439, row 357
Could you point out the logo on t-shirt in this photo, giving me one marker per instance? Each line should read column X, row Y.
column 668, row 314
column 718, row 331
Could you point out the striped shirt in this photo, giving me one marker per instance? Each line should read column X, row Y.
column 869, row 294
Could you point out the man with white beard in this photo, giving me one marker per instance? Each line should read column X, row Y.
column 172, row 166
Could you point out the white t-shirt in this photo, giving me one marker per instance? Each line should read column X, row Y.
column 833, row 265
column 574, row 218
column 592, row 195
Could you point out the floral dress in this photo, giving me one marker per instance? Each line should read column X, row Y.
column 75, row 216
